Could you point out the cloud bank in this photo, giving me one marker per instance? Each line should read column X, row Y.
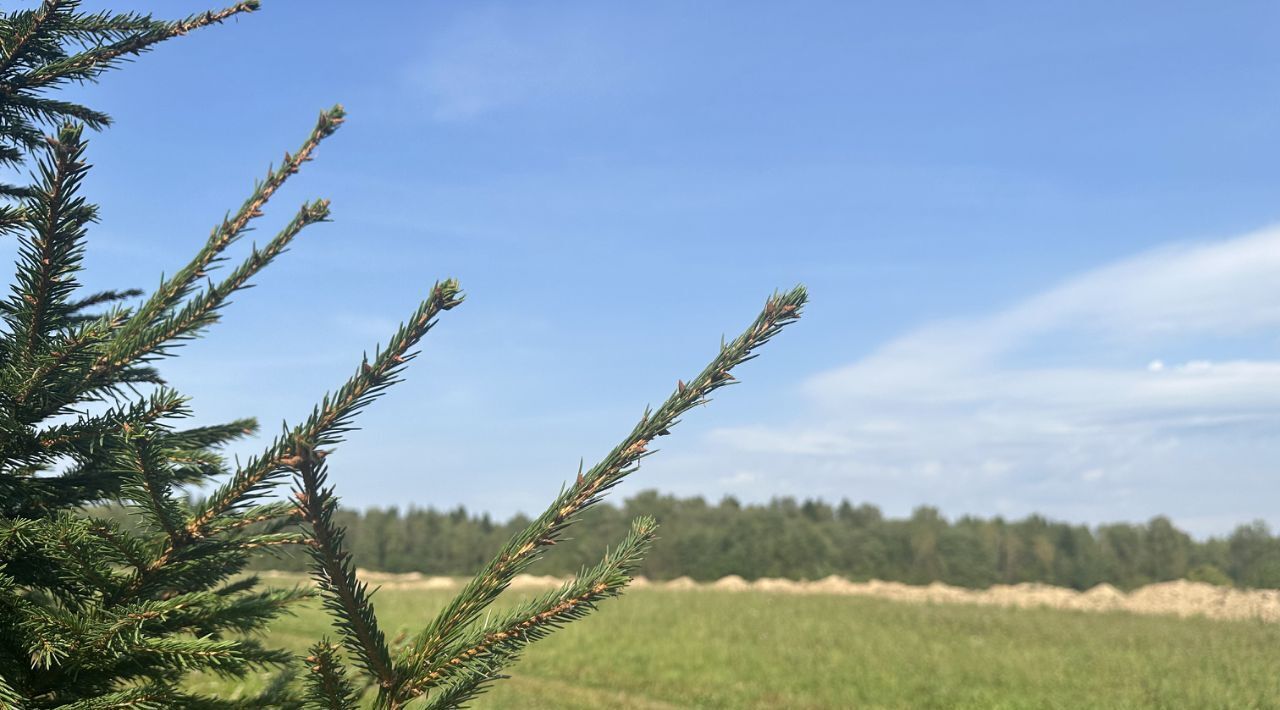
column 1146, row 386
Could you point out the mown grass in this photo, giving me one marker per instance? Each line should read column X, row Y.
column 665, row 649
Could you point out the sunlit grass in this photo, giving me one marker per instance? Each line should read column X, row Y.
column 661, row 649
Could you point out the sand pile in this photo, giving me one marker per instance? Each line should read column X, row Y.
column 1180, row 598
column 771, row 584
column 681, row 583
column 1028, row 595
column 830, row 585
column 732, row 583
column 407, row 580
column 1185, row 598
column 1103, row 597
column 534, row 581
column 939, row 593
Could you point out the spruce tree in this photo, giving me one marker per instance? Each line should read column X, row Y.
column 98, row 615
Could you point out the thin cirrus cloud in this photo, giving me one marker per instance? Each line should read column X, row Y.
column 494, row 58
column 1063, row 404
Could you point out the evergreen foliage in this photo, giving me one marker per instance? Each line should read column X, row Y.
column 100, row 614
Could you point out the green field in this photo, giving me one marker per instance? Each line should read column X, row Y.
column 668, row 649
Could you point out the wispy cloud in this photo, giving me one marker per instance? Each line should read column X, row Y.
column 1064, row 403
column 494, row 57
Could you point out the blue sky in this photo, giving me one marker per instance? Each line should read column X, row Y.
column 1036, row 237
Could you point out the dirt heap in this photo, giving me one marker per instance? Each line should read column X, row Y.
column 535, row 581
column 1191, row 598
column 1027, row 595
column 1179, row 598
column 733, row 583
column 770, row 584
column 681, row 583
column 391, row 580
column 1103, row 597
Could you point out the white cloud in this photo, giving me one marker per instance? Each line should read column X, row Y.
column 493, row 57
column 1048, row 406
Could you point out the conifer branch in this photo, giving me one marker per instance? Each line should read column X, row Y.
column 96, row 614
column 10, row 216
column 52, row 45
column 279, row 513
column 127, row 549
column 344, row 595
column 62, row 353
column 87, row 554
column 42, row 110
column 88, row 64
column 482, row 652
column 333, row 416
column 525, row 547
column 148, row 697
column 201, row 311
column 29, row 25
column 147, row 484
column 95, row 444
column 208, row 612
column 101, row 297
column 470, row 682
column 328, row 687
column 9, row 696
column 161, row 404
column 35, row 56
column 155, row 326
column 173, row 290
column 227, row 656
column 50, row 255
column 205, row 437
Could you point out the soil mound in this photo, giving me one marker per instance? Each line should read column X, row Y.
column 733, row 583
column 681, row 583
column 406, row 580
column 534, row 581
column 1103, row 597
column 771, row 584
column 830, row 584
column 1178, row 598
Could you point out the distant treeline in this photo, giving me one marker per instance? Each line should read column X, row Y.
column 812, row 539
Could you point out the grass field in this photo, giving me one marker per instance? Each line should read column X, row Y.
column 715, row 649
